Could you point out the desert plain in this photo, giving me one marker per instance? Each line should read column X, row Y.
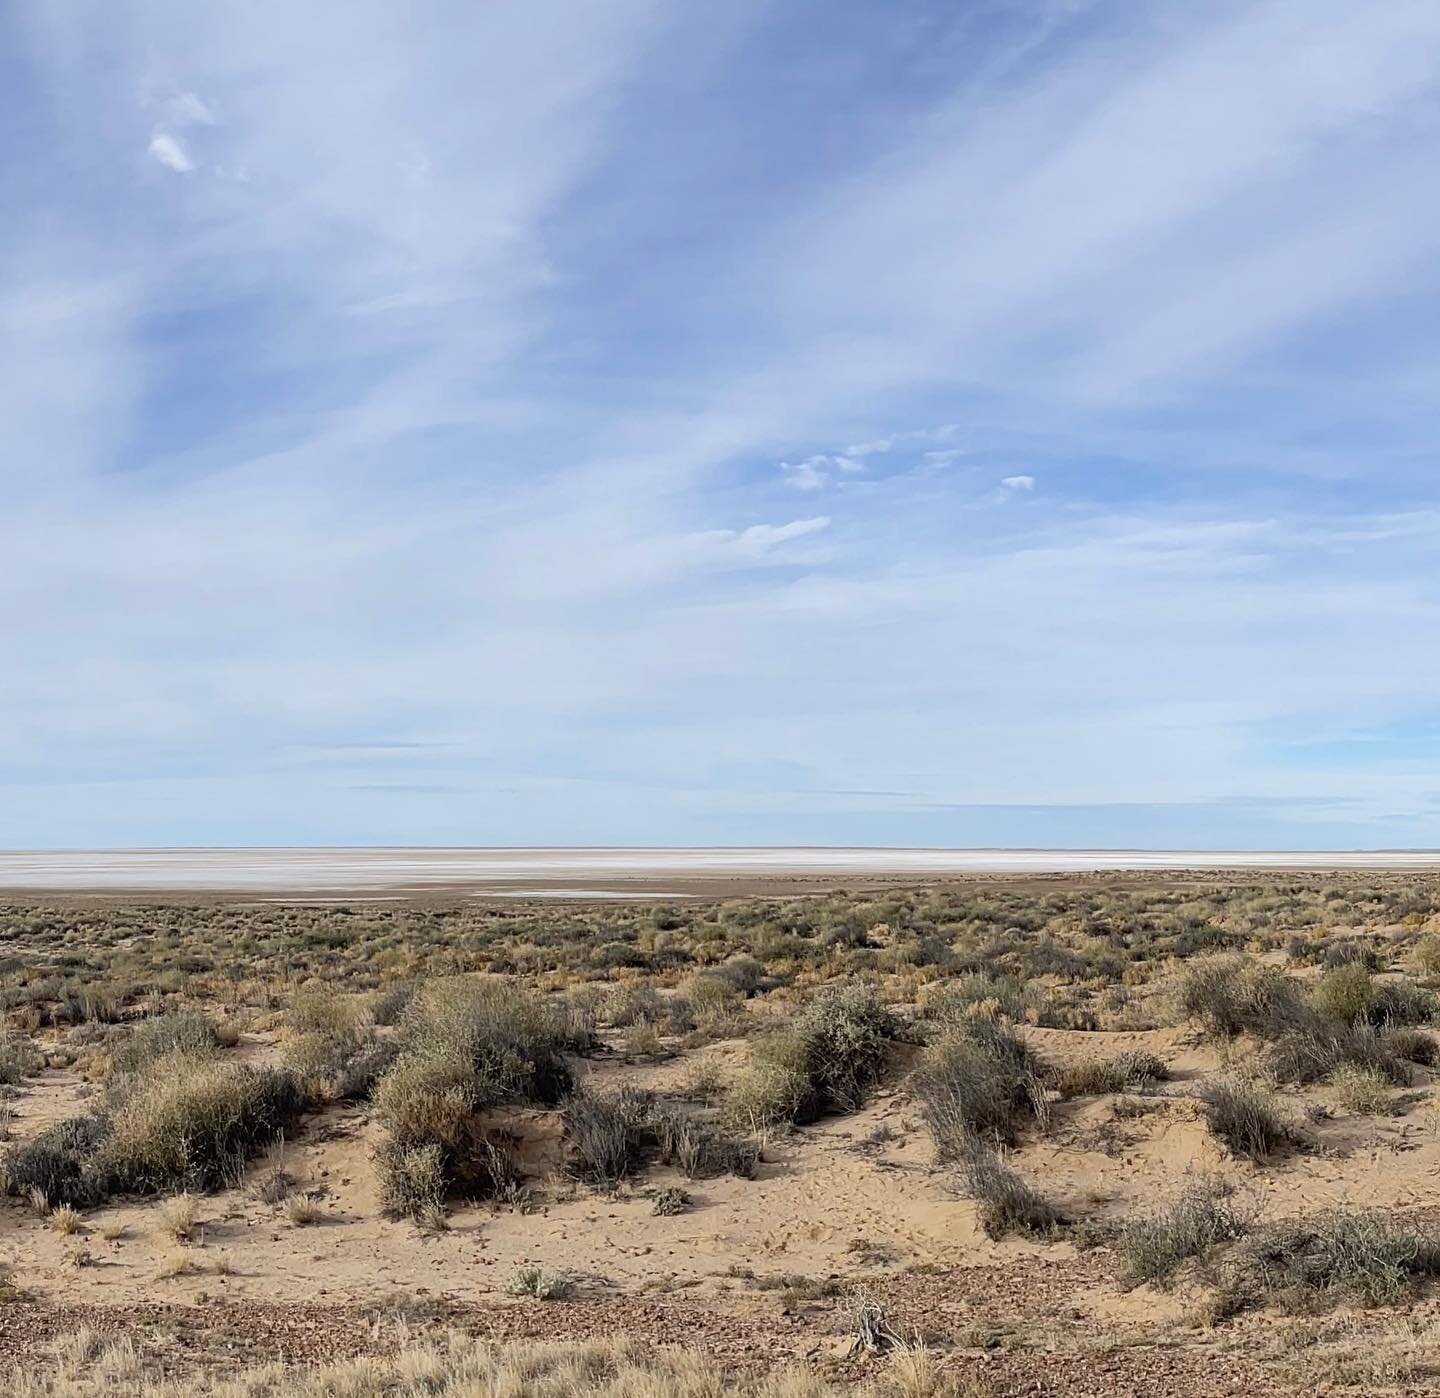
column 704, row 1128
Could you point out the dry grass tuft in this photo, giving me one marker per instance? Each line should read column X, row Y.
column 180, row 1263
column 979, row 1080
column 192, row 1123
column 1207, row 1213
column 1246, row 1118
column 542, row 1285
column 303, row 1210
column 65, row 1220
column 85, row 1364
column 1007, row 1203
column 1097, row 1076
column 1232, row 995
column 180, row 1217
column 1361, row 1090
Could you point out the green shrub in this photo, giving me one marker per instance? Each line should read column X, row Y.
column 637, row 1003
column 191, row 1123
column 489, row 1040
column 1350, row 952
column 1314, row 1053
column 764, row 1094
column 1007, row 1203
column 609, row 1135
column 412, row 1180
column 979, row 1079
column 1404, row 1002
column 188, row 1123
column 181, row 1031
column 428, row 1099
column 826, row 1061
column 543, row 1285
column 468, row 1045
column 341, row 1064
column 19, row 1058
column 1413, row 1046
column 1346, row 994
column 61, row 1162
column 1232, row 995
column 1096, row 1076
column 979, row 993
column 1363, row 1091
column 1245, row 1118
column 846, row 1035
column 698, row 1149
column 670, row 1201
column 1427, row 954
column 320, row 1010
column 613, row 1135
column 1360, row 1256
column 388, row 1005
column 1205, row 1213
column 712, row 998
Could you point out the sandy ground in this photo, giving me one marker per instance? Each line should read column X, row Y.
column 854, row 1202
column 856, row 1193
column 390, row 874
column 849, row 1205
column 855, row 1197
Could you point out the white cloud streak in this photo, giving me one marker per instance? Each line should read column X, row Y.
column 406, row 432
column 171, row 152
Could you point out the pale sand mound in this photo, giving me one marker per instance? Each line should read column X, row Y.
column 846, row 1196
column 856, row 1199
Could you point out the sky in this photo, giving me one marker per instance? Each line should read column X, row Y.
column 943, row 422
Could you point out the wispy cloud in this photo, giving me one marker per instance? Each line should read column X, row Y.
column 171, row 152
column 761, row 538
column 1049, row 425
column 190, row 109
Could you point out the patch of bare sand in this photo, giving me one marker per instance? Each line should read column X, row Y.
column 851, row 1197
column 856, row 1200
column 49, row 1097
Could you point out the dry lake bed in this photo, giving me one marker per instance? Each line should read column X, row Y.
column 598, row 873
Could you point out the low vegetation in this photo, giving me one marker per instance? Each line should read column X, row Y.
column 1247, row 1118
column 1359, row 1256
column 1361, row 1090
column 826, row 1060
column 1313, row 1054
column 1095, row 1076
column 542, row 1285
column 1205, row 1214
column 626, row 1064
column 1006, row 1202
column 612, row 1136
column 86, row 1364
column 1232, row 995
column 467, row 1046
column 978, row 1080
column 192, row 1124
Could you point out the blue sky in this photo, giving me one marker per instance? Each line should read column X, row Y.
column 645, row 422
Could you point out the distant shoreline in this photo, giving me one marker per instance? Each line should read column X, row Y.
column 614, row 872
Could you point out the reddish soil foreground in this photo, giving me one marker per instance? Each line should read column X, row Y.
column 996, row 1306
